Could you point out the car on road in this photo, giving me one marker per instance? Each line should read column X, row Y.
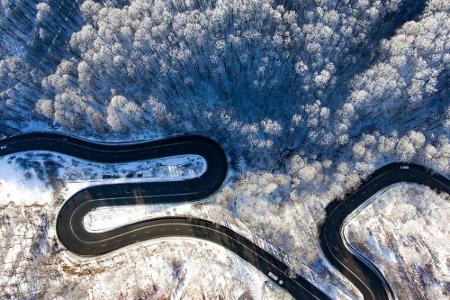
column 2, row 147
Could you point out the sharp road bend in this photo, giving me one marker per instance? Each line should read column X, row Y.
column 73, row 235
column 360, row 271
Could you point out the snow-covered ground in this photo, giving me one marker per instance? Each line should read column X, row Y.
column 33, row 265
column 26, row 177
column 405, row 232
column 32, row 187
column 271, row 209
column 36, row 183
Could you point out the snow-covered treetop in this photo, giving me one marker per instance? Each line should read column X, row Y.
column 315, row 77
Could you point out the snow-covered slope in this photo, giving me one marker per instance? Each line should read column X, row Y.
column 33, row 264
column 405, row 232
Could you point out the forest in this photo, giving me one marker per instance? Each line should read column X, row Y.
column 305, row 81
column 307, row 97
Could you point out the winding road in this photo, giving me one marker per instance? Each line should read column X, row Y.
column 73, row 235
column 360, row 271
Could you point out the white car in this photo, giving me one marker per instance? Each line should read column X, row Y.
column 2, row 147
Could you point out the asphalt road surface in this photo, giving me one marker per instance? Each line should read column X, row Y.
column 360, row 271
column 72, row 234
column 75, row 238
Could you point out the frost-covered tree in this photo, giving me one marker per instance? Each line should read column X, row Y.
column 124, row 114
column 33, row 37
column 269, row 78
